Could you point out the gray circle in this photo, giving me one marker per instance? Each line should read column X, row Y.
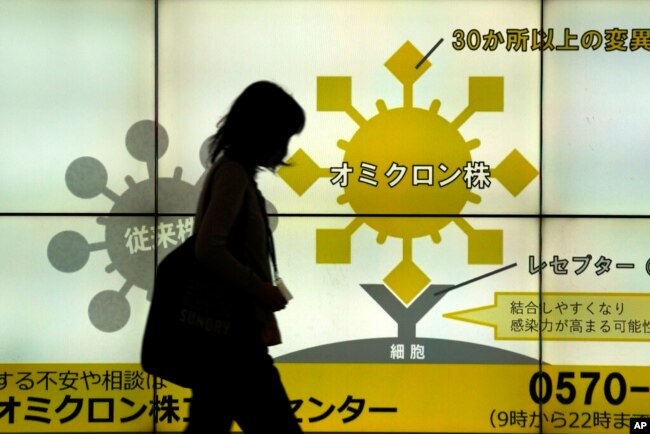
column 68, row 251
column 140, row 140
column 272, row 212
column 86, row 177
column 109, row 311
column 204, row 152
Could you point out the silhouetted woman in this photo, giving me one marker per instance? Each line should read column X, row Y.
column 234, row 241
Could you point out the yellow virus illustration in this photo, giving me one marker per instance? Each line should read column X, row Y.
column 409, row 161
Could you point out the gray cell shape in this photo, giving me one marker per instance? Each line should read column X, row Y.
column 377, row 350
column 109, row 311
column 68, row 251
column 86, row 177
column 438, row 351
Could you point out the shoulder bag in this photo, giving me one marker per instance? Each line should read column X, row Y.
column 192, row 322
column 195, row 320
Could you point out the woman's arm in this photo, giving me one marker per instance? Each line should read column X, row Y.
column 227, row 191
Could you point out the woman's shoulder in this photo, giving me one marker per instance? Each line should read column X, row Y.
column 228, row 171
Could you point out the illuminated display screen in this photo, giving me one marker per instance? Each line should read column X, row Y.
column 464, row 223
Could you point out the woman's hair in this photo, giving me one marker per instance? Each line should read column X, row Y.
column 258, row 126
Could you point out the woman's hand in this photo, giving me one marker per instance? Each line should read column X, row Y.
column 271, row 297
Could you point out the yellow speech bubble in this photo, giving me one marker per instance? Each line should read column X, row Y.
column 570, row 316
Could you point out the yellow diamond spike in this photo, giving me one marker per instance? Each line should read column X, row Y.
column 407, row 280
column 515, row 172
column 402, row 64
column 301, row 172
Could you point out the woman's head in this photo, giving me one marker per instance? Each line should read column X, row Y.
column 257, row 129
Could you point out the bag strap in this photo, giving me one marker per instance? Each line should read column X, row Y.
column 269, row 234
column 206, row 192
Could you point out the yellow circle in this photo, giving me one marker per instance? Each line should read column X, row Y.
column 421, row 142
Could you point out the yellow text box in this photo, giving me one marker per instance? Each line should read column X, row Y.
column 570, row 316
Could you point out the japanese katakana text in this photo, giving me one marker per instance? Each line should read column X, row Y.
column 474, row 174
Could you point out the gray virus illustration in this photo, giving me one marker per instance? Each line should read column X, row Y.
column 130, row 239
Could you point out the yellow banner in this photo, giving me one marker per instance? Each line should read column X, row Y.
column 402, row 397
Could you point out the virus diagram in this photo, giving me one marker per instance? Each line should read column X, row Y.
column 377, row 157
column 135, row 233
